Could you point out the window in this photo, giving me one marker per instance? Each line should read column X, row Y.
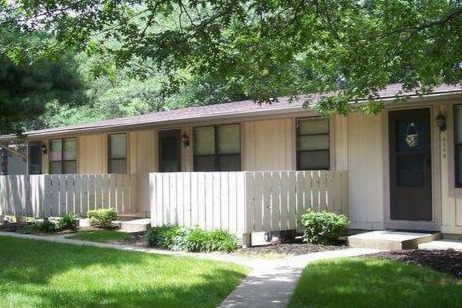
column 117, row 153
column 313, row 144
column 217, row 148
column 63, row 156
column 458, row 144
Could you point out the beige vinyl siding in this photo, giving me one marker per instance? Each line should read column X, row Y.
column 365, row 171
column 142, row 155
column 92, row 154
column 451, row 197
column 269, row 145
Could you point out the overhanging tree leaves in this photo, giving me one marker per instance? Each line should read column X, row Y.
column 30, row 77
column 272, row 48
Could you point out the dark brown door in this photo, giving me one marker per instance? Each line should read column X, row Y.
column 410, row 165
column 170, row 151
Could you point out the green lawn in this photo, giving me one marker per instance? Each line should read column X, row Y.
column 103, row 236
column 374, row 283
column 42, row 274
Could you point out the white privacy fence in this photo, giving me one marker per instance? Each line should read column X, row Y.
column 247, row 201
column 55, row 195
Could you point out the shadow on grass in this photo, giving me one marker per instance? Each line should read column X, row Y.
column 374, row 283
column 42, row 274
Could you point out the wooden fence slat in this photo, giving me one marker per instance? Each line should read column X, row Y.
column 292, row 202
column 194, row 198
column 231, row 224
column 56, row 195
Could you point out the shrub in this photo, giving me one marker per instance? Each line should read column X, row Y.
column 197, row 240
column 192, row 240
column 221, row 240
column 103, row 217
column 169, row 237
column 47, row 226
column 67, row 222
column 323, row 227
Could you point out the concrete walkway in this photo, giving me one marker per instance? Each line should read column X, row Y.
column 270, row 283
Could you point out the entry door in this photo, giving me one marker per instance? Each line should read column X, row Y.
column 35, row 158
column 410, row 165
column 170, row 151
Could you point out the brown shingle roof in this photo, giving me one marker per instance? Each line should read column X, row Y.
column 226, row 110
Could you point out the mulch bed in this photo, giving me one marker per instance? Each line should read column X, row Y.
column 446, row 261
column 296, row 248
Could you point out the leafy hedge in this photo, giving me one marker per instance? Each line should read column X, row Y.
column 323, row 227
column 191, row 239
column 103, row 217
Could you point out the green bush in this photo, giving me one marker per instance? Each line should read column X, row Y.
column 169, row 237
column 192, row 240
column 67, row 222
column 221, row 240
column 323, row 227
column 197, row 240
column 103, row 217
column 46, row 226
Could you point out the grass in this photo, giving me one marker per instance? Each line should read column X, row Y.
column 42, row 274
column 103, row 236
column 374, row 283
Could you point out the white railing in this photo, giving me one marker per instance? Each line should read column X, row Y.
column 247, row 201
column 55, row 195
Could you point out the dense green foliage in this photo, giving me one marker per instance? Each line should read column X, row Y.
column 193, row 240
column 67, row 222
column 103, row 217
column 264, row 49
column 133, row 57
column 47, row 226
column 323, row 227
column 41, row 274
column 374, row 283
column 32, row 74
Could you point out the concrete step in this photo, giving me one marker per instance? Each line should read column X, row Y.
column 391, row 240
column 442, row 244
column 135, row 225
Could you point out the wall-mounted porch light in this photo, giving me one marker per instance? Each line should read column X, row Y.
column 185, row 140
column 441, row 122
column 44, row 149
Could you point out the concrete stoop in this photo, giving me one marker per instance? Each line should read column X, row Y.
column 135, row 225
column 442, row 244
column 391, row 240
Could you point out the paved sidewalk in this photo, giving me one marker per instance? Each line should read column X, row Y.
column 270, row 284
